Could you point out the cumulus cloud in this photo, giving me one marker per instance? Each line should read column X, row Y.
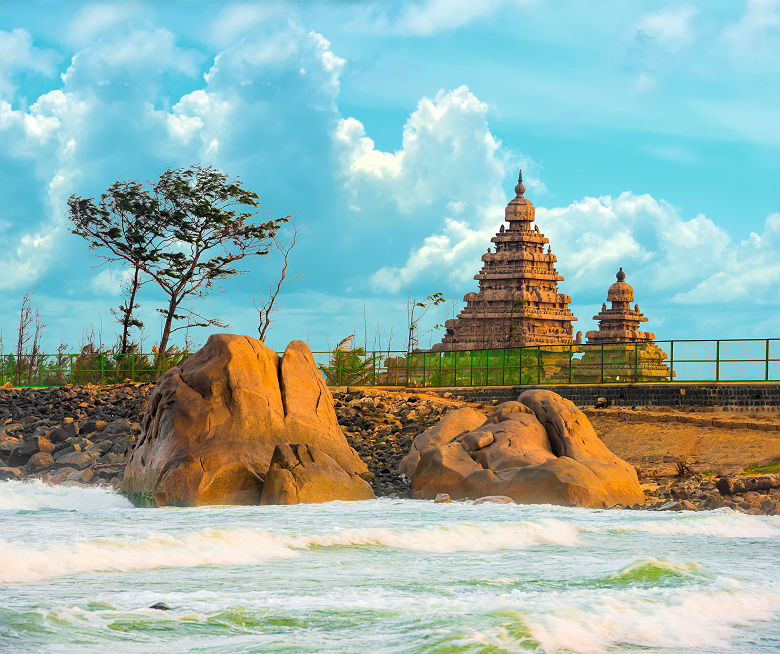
column 449, row 162
column 749, row 271
column 18, row 54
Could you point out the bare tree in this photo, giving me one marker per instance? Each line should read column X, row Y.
column 23, row 332
column 415, row 311
column 265, row 310
column 124, row 312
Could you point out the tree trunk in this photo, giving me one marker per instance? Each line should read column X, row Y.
column 172, row 305
column 129, row 313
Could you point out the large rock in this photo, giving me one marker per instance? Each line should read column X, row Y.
column 538, row 450
column 448, row 428
column 212, row 424
column 301, row 473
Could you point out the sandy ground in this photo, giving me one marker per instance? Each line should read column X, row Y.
column 719, row 442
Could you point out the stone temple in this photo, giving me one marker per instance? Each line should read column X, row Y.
column 518, row 303
column 620, row 323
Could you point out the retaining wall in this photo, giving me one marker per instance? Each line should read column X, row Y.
column 761, row 395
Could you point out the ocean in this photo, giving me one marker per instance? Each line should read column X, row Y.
column 80, row 567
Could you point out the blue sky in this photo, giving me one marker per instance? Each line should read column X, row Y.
column 649, row 133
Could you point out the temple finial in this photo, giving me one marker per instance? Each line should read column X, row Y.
column 520, row 189
column 620, row 275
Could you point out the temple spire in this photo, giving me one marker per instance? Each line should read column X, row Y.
column 520, row 188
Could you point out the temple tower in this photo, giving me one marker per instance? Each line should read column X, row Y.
column 620, row 323
column 518, row 303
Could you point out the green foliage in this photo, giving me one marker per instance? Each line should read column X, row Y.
column 186, row 232
column 349, row 366
column 768, row 468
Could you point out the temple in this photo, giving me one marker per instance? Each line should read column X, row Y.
column 518, row 303
column 620, row 323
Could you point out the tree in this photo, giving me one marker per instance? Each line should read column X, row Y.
column 415, row 311
column 265, row 310
column 197, row 224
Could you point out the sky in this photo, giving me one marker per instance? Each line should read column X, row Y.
column 648, row 133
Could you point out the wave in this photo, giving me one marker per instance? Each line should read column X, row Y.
column 24, row 562
column 717, row 524
column 35, row 495
column 651, row 571
column 704, row 619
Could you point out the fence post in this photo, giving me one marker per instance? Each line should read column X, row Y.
column 602, row 363
column 717, row 360
column 570, row 363
column 12, row 368
column 40, row 370
column 373, row 368
column 471, row 377
column 441, row 379
column 407, row 368
column 636, row 362
column 671, row 361
column 766, row 374
column 132, row 367
column 101, row 370
column 503, row 367
column 70, row 357
column 538, row 364
column 338, row 367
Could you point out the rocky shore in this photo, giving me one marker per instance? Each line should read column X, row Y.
column 84, row 434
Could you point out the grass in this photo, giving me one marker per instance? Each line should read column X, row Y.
column 765, row 469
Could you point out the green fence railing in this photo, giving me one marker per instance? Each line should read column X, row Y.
column 82, row 369
column 672, row 361
column 698, row 360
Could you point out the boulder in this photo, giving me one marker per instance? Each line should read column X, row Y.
column 538, row 450
column 8, row 473
column 302, row 474
column 449, row 427
column 494, row 499
column 212, row 424
column 40, row 461
column 746, row 484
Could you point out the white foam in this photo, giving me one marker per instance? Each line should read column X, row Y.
column 23, row 562
column 701, row 619
column 218, row 547
column 718, row 524
column 461, row 537
column 34, row 495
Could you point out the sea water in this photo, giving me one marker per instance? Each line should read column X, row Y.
column 80, row 567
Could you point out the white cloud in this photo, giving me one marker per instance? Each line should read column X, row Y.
column 431, row 16
column 17, row 53
column 449, row 171
column 447, row 153
column 92, row 21
column 670, row 28
column 756, row 33
column 748, row 272
column 646, row 236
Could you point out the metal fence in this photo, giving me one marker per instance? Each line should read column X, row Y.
column 83, row 368
column 720, row 360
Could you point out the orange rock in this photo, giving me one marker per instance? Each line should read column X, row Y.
column 539, row 450
column 302, row 474
column 212, row 424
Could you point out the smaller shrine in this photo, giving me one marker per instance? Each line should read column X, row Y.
column 617, row 351
column 619, row 323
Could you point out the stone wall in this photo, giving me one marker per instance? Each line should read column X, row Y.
column 763, row 396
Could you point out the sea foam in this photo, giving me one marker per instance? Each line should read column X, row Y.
column 25, row 562
column 35, row 495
